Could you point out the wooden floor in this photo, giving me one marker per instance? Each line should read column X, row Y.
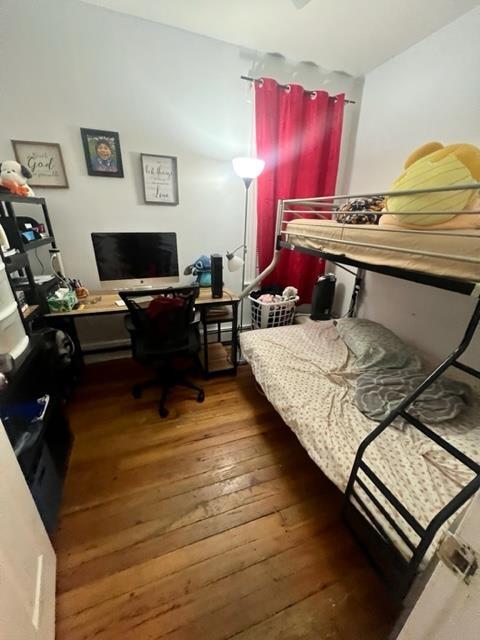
column 210, row 524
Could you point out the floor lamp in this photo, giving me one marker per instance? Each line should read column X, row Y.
column 248, row 169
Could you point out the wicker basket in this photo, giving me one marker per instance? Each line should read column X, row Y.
column 272, row 314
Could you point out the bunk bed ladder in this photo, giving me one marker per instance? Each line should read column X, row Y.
column 399, row 571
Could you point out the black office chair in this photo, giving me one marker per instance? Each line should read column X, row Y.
column 163, row 327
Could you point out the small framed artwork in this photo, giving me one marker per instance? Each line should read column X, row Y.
column 45, row 161
column 160, row 180
column 102, row 153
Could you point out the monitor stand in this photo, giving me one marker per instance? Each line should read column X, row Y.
column 137, row 287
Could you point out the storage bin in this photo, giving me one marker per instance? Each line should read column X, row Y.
column 6, row 293
column 13, row 339
column 272, row 314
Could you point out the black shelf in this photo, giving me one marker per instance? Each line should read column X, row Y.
column 34, row 244
column 7, row 197
column 16, row 262
column 20, row 262
column 31, row 313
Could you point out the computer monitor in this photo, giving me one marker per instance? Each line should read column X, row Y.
column 126, row 260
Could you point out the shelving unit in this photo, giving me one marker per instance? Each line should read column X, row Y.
column 20, row 262
column 217, row 357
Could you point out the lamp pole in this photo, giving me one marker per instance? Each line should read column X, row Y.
column 247, row 169
column 247, row 182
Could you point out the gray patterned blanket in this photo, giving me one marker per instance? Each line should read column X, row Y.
column 378, row 391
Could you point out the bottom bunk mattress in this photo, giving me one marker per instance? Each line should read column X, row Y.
column 307, row 372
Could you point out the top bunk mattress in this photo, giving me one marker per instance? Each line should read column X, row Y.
column 452, row 254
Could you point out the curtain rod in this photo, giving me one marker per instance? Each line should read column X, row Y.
column 285, row 86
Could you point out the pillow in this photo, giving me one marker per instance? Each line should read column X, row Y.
column 375, row 346
column 460, row 221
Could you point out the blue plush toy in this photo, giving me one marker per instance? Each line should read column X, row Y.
column 202, row 269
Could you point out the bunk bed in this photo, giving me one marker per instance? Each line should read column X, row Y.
column 396, row 499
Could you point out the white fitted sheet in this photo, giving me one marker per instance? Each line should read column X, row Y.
column 307, row 373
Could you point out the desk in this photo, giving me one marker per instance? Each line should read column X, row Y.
column 103, row 303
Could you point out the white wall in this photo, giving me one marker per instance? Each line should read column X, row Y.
column 429, row 92
column 165, row 91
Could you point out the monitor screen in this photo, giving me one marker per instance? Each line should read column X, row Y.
column 135, row 256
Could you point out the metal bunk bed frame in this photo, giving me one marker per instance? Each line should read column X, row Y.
column 397, row 570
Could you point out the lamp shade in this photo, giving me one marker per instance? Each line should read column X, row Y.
column 248, row 167
column 234, row 263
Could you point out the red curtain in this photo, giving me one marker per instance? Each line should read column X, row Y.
column 298, row 135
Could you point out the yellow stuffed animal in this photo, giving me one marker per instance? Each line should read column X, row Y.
column 434, row 165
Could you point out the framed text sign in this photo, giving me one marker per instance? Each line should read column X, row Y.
column 44, row 159
column 160, row 180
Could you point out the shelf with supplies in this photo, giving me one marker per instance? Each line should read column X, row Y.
column 34, row 244
column 15, row 249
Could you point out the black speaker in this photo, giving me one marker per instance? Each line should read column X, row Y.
column 217, row 275
column 322, row 297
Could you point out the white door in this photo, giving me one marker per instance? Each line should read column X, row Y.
column 448, row 608
column 27, row 560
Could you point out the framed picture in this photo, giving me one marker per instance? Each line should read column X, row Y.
column 102, row 153
column 160, row 180
column 45, row 161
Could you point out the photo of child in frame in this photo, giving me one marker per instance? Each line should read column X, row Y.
column 102, row 153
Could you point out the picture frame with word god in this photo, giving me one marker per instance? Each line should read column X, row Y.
column 44, row 160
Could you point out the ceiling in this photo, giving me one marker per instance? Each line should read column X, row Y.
column 353, row 36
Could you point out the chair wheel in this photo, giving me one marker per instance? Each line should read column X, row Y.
column 201, row 396
column 136, row 391
column 163, row 412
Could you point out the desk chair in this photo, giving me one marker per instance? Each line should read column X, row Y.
column 163, row 327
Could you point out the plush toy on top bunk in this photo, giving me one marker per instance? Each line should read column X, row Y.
column 13, row 178
column 433, row 166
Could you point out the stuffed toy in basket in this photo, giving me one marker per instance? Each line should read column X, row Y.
column 271, row 310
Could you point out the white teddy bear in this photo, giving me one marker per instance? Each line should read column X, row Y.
column 13, row 177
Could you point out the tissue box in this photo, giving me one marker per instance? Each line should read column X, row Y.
column 62, row 300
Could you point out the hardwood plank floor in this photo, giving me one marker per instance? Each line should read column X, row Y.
column 208, row 525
